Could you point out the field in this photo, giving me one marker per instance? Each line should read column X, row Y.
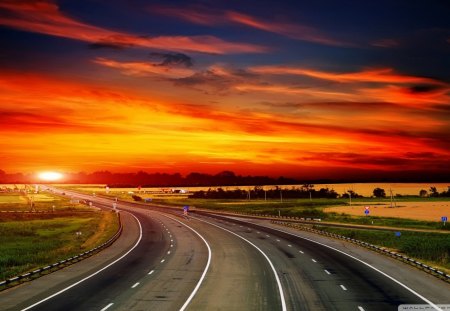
column 31, row 240
column 431, row 211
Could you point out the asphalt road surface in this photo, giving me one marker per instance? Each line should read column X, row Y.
column 164, row 261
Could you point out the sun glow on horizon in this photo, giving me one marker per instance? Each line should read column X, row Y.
column 50, row 176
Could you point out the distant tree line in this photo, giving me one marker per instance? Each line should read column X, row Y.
column 144, row 179
column 305, row 191
column 434, row 193
column 302, row 192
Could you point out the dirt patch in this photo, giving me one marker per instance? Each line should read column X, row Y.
column 432, row 211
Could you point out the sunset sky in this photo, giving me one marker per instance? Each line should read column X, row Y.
column 301, row 89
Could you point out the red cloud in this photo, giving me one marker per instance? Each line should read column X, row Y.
column 46, row 18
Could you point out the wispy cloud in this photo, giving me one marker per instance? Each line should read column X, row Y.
column 382, row 75
column 206, row 16
column 45, row 17
column 386, row 43
column 142, row 69
column 172, row 59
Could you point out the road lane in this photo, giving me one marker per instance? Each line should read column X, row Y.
column 239, row 279
column 167, row 284
column 348, row 284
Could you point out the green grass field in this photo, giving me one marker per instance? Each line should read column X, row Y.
column 32, row 240
column 26, row 244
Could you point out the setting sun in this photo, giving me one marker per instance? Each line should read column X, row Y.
column 50, row 176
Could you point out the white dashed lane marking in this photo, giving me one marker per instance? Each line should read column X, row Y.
column 327, row 272
column 343, row 287
column 107, row 307
column 151, row 272
column 314, row 260
column 135, row 285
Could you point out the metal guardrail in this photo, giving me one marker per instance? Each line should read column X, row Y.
column 382, row 250
column 63, row 263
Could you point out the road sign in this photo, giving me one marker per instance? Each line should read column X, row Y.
column 185, row 209
column 366, row 212
column 444, row 218
column 367, row 207
column 398, row 233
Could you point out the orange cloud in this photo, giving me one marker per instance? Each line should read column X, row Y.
column 46, row 18
column 290, row 90
column 204, row 16
column 384, row 75
column 409, row 95
column 142, row 69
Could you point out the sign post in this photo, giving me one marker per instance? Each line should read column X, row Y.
column 444, row 219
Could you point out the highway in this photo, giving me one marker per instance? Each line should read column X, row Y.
column 167, row 262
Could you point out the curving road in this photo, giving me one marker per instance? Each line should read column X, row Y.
column 207, row 262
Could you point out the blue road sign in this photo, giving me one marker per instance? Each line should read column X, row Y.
column 398, row 233
column 186, row 208
column 366, row 212
column 444, row 218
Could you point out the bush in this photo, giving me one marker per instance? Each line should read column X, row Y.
column 136, row 197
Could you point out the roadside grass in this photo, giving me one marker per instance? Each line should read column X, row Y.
column 32, row 240
column 19, row 201
column 431, row 248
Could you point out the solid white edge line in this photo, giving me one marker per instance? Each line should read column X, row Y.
column 280, row 288
column 191, row 296
column 93, row 274
column 361, row 261
column 107, row 307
